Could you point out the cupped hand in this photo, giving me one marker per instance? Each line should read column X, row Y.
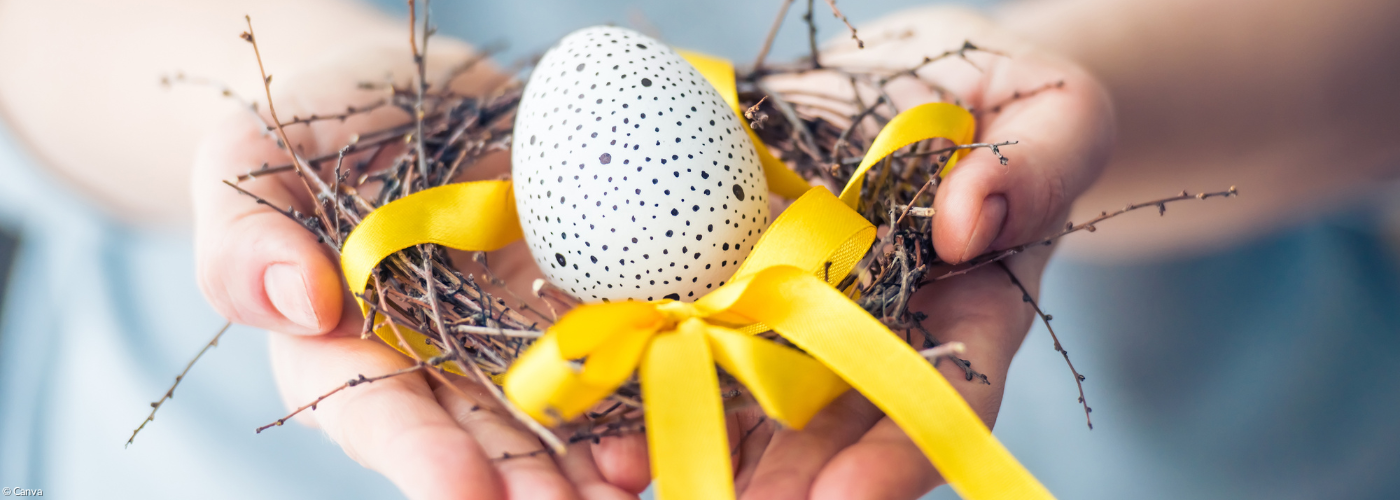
column 1064, row 133
column 260, row 268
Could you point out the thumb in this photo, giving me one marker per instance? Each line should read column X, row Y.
column 256, row 266
column 1063, row 140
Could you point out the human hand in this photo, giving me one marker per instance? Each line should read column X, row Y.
column 260, row 268
column 850, row 450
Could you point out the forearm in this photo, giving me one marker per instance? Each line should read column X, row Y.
column 81, row 82
column 1294, row 101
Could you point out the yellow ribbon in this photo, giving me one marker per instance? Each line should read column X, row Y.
column 784, row 285
column 720, row 73
column 925, row 121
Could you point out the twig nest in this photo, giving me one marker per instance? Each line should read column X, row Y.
column 633, row 177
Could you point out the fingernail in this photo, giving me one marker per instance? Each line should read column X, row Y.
column 989, row 222
column 288, row 292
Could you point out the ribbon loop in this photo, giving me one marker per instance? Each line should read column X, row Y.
column 829, row 254
column 922, row 122
column 685, row 417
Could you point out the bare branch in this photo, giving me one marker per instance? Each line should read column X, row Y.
column 170, row 393
column 1045, row 318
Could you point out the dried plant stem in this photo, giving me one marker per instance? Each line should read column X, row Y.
column 504, row 332
column 348, row 384
column 349, row 112
column 224, row 90
column 420, row 86
column 994, row 146
column 510, row 456
column 1022, row 94
column 841, row 141
column 170, row 393
column 302, row 172
column 812, row 35
column 944, row 349
column 1045, row 318
column 802, row 136
column 913, row 199
column 837, row 12
column 991, row 257
column 772, row 33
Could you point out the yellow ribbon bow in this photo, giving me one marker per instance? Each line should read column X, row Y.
column 784, row 285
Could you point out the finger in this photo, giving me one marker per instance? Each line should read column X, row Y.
column 794, row 457
column 1063, row 137
column 973, row 310
column 394, row 426
column 884, row 464
column 623, row 461
column 759, row 433
column 256, row 266
column 579, row 468
column 526, row 468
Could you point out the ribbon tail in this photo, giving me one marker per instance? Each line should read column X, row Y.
column 548, row 387
column 878, row 363
column 790, row 386
column 685, row 418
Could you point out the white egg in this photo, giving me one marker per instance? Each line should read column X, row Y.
column 633, row 177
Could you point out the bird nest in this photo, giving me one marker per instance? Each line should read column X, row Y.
column 482, row 325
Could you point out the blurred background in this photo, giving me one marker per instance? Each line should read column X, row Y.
column 1262, row 366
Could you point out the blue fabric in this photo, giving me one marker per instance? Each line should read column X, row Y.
column 1270, row 370
column 98, row 319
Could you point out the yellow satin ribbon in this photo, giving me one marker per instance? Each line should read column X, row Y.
column 784, row 285
column 922, row 122
column 436, row 215
column 720, row 73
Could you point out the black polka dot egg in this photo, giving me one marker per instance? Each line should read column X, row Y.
column 633, row 177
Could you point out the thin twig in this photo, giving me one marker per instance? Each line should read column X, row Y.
column 301, row 169
column 170, row 393
column 990, row 257
column 912, row 199
column 510, row 456
column 421, row 86
column 841, row 141
column 1022, row 94
column 812, row 35
column 348, row 384
column 503, row 332
column 349, row 112
column 944, row 349
column 772, row 33
column 1045, row 318
column 837, row 12
column 994, row 146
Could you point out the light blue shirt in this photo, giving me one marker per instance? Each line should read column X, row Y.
column 98, row 318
